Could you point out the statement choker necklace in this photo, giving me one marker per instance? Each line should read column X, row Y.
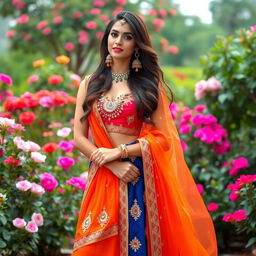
column 119, row 77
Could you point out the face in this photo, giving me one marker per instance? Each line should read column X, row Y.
column 121, row 41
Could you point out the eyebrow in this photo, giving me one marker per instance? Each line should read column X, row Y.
column 127, row 33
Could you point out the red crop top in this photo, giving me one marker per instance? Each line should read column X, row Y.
column 120, row 115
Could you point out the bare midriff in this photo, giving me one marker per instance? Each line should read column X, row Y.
column 118, row 138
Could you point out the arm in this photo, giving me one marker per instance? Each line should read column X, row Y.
column 81, row 129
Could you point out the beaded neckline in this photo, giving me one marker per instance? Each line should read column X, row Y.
column 117, row 97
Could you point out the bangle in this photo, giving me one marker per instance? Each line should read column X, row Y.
column 124, row 150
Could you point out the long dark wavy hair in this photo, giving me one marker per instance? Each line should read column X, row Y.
column 143, row 84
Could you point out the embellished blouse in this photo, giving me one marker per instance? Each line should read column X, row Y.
column 119, row 115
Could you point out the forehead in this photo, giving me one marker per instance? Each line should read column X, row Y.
column 122, row 28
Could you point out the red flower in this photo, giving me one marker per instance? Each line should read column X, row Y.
column 27, row 117
column 11, row 161
column 49, row 147
column 6, row 115
column 55, row 79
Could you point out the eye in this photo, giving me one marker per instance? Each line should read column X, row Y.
column 113, row 34
column 128, row 37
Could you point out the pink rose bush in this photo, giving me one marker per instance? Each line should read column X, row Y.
column 77, row 182
column 210, row 86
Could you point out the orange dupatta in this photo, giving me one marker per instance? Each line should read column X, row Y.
column 178, row 223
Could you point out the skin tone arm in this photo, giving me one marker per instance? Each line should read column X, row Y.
column 123, row 170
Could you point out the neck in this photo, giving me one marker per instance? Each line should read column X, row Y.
column 120, row 66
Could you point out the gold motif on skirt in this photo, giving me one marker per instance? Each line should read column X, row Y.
column 135, row 211
column 87, row 222
column 103, row 217
column 135, row 244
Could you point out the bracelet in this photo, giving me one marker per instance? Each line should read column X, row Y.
column 124, row 151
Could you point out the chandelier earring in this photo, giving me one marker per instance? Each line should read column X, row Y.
column 136, row 64
column 109, row 61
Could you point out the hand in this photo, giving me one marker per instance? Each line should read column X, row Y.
column 101, row 156
column 125, row 171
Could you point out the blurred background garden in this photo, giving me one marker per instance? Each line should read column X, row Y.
column 48, row 46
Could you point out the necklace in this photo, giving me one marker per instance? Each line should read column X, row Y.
column 119, row 77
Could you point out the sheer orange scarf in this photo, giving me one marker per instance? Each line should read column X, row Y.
column 178, row 223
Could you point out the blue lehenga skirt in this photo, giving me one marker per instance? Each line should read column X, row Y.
column 137, row 211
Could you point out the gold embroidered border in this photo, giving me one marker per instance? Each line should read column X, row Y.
column 96, row 236
column 123, row 218
column 151, row 200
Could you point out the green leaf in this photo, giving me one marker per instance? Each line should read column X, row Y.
column 2, row 244
column 3, row 219
column 6, row 234
column 251, row 242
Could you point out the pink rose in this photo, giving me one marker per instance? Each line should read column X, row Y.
column 64, row 132
column 47, row 31
column 95, row 11
column 253, row 28
column 33, row 79
column 98, row 3
column 37, row 189
column 23, row 185
column 69, row 47
column 46, row 101
column 76, row 15
column 24, row 18
column 38, row 157
column 152, row 12
column 33, row 146
column 19, row 223
column 48, row 182
column 212, row 207
column 57, row 20
column 200, row 108
column 121, row 2
column 38, row 219
column 200, row 90
column 66, row 146
column 6, row 122
column 222, row 148
column 91, row 25
column 234, row 195
column 31, row 227
column 84, row 176
column 42, row 24
column 185, row 129
column 10, row 33
column 65, row 162
column 213, row 84
column 173, row 49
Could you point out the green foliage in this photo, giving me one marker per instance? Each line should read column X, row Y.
column 182, row 80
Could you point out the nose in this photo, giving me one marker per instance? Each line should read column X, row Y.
column 118, row 40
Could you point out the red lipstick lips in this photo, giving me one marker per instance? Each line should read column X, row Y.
column 117, row 49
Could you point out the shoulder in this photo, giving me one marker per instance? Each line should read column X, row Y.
column 82, row 90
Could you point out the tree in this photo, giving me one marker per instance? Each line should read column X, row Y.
column 233, row 14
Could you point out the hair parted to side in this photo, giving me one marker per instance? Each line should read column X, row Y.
column 143, row 84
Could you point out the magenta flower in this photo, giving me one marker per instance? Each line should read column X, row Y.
column 212, row 207
column 31, row 227
column 200, row 89
column 239, row 215
column 65, row 162
column 48, row 182
column 183, row 145
column 185, row 129
column 234, row 195
column 253, row 28
column 38, row 219
column 200, row 108
column 77, row 182
column 19, row 223
column 228, row 217
column 200, row 188
column 24, row 18
column 66, row 146
column 121, row 2
column 6, row 79
column 222, row 148
column 47, row 31
column 238, row 164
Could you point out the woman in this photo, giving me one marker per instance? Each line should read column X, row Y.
column 140, row 197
